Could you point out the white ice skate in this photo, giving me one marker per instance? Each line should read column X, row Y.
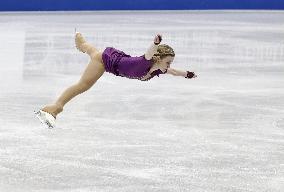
column 46, row 118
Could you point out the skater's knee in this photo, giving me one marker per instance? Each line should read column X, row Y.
column 96, row 56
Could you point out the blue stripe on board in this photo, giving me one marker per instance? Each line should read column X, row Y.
column 54, row 5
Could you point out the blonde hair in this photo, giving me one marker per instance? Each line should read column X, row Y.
column 162, row 52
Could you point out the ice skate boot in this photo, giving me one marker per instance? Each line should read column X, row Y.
column 46, row 118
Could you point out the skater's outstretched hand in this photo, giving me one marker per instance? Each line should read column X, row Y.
column 190, row 75
column 158, row 39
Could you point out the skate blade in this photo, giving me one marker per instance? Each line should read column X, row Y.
column 42, row 120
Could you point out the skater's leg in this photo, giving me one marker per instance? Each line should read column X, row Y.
column 92, row 73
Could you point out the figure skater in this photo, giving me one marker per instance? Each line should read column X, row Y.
column 157, row 60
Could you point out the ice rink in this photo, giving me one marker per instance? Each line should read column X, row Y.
column 220, row 132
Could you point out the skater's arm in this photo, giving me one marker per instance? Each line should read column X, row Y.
column 151, row 51
column 176, row 72
column 153, row 48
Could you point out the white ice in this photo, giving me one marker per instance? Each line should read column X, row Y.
column 223, row 131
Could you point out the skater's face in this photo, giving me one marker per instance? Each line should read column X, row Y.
column 165, row 62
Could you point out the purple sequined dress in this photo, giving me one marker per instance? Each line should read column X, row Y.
column 121, row 64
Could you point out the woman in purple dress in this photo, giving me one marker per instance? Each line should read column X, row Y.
column 155, row 61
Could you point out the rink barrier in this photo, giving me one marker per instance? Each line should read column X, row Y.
column 69, row 5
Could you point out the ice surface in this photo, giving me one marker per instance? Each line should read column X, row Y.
column 223, row 131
